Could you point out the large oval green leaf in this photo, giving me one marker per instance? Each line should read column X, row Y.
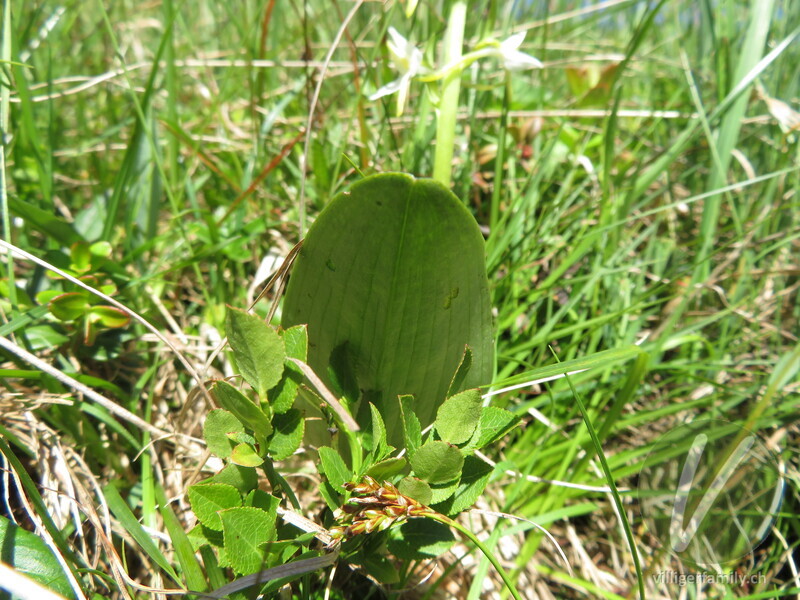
column 391, row 281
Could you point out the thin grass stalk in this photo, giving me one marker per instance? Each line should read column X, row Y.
column 612, row 484
column 760, row 18
column 500, row 158
column 5, row 104
column 509, row 583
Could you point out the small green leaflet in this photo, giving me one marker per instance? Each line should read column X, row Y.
column 333, row 468
column 458, row 417
column 207, row 499
column 288, row 434
column 219, row 423
column 257, row 349
column 246, row 530
column 243, row 408
column 437, row 462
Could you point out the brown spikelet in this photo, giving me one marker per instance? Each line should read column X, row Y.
column 374, row 507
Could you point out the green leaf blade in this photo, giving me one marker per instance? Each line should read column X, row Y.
column 29, row 555
column 219, row 423
column 242, row 408
column 245, row 455
column 288, row 435
column 495, row 422
column 415, row 488
column 405, row 299
column 257, row 348
column 208, row 499
column 246, row 529
column 437, row 462
column 412, row 431
column 474, row 477
column 420, row 539
column 458, row 417
column 333, row 468
column 282, row 396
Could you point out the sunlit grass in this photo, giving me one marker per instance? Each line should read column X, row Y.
column 651, row 205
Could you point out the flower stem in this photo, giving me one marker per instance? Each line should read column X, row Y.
column 448, row 108
column 487, row 553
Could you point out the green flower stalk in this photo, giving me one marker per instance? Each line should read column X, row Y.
column 408, row 60
column 451, row 87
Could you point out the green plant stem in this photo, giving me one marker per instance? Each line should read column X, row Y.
column 5, row 105
column 487, row 553
column 448, row 107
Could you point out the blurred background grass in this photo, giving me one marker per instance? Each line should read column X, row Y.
column 643, row 196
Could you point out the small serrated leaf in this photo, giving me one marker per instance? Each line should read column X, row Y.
column 437, row 462
column 330, row 495
column 246, row 530
column 420, row 539
column 239, row 437
column 282, row 396
column 333, row 468
column 245, row 455
column 263, row 500
column 207, row 499
column 381, row 568
column 242, row 408
column 223, row 560
column 200, row 536
column 257, row 348
column 415, row 488
column 269, row 504
column 380, row 449
column 412, row 432
column 295, row 340
column 243, row 479
column 219, row 423
column 443, row 491
column 387, row 468
column 288, row 434
column 458, row 417
column 474, row 477
column 494, row 424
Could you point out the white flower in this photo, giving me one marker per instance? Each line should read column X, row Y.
column 506, row 51
column 512, row 58
column 407, row 59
